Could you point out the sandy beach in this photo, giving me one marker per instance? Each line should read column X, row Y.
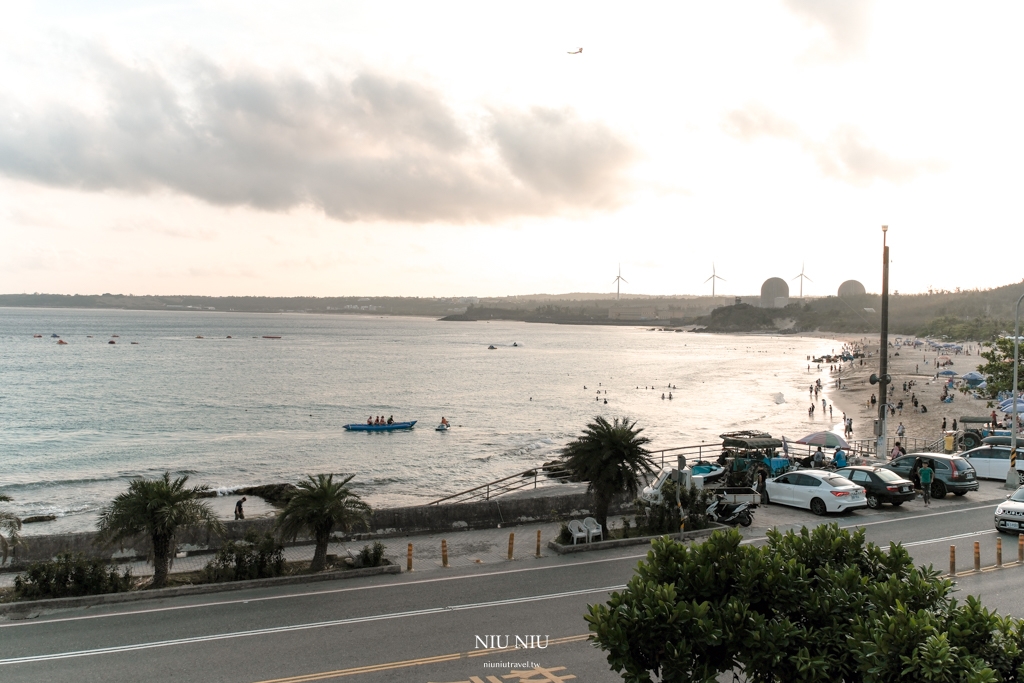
column 910, row 366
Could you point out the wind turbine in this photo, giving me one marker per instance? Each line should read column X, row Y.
column 802, row 277
column 713, row 278
column 617, row 280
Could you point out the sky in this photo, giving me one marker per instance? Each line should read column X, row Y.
column 458, row 149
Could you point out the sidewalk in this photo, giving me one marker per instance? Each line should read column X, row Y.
column 465, row 548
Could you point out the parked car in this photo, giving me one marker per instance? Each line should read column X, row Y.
column 880, row 484
column 819, row 491
column 990, row 461
column 1010, row 515
column 953, row 474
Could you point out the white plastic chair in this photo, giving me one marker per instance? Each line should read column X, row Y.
column 594, row 530
column 577, row 531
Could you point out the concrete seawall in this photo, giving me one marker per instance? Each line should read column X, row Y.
column 385, row 523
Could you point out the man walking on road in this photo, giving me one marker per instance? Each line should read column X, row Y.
column 925, row 474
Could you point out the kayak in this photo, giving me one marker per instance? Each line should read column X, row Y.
column 379, row 428
column 710, row 471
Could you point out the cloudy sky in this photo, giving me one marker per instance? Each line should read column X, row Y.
column 437, row 149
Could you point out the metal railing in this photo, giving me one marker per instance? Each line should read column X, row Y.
column 534, row 478
column 868, row 447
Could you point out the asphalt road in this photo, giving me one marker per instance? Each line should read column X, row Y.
column 431, row 627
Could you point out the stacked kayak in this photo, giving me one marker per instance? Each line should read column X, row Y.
column 379, row 428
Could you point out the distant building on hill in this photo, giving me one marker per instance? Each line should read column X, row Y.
column 851, row 288
column 774, row 293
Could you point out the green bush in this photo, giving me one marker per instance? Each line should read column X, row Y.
column 372, row 556
column 254, row 557
column 663, row 518
column 70, row 575
column 564, row 537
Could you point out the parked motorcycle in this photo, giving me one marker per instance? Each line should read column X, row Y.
column 730, row 513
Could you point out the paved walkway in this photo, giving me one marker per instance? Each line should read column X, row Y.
column 465, row 548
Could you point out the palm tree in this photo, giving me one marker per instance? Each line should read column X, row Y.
column 157, row 508
column 611, row 457
column 10, row 525
column 318, row 506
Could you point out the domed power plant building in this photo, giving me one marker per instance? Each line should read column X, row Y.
column 774, row 293
column 851, row 288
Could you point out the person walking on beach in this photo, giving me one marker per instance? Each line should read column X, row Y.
column 943, row 424
column 239, row 512
column 925, row 475
column 901, row 430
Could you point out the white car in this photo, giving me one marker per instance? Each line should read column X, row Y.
column 1010, row 515
column 819, row 491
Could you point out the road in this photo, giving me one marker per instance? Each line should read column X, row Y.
column 430, row 627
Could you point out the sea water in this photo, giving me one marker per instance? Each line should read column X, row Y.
column 175, row 393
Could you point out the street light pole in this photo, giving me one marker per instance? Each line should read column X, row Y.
column 1012, row 478
column 883, row 369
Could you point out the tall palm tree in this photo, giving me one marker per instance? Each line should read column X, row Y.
column 318, row 506
column 10, row 525
column 157, row 508
column 611, row 457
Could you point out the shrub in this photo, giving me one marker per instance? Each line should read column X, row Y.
column 70, row 575
column 372, row 556
column 564, row 537
column 254, row 557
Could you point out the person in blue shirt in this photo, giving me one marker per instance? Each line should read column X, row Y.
column 839, row 457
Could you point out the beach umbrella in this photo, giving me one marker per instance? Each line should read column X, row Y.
column 1008, row 406
column 973, row 376
column 824, row 439
column 944, row 358
column 947, row 373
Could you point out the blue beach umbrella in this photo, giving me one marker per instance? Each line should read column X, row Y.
column 973, row 376
column 947, row 373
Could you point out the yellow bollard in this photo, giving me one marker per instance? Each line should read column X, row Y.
column 511, row 542
column 408, row 559
column 999, row 552
column 538, row 542
column 952, row 560
column 977, row 556
column 444, row 553
column 1020, row 549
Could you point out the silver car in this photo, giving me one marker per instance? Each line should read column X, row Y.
column 1010, row 515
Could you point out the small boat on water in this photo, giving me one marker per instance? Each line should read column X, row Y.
column 379, row 428
column 491, row 347
column 271, row 336
column 442, row 428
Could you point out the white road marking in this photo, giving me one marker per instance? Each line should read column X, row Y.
column 969, row 534
column 332, row 591
column 298, row 627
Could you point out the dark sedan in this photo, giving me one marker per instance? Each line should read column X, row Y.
column 881, row 485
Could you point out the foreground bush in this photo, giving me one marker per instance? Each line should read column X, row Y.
column 70, row 576
column 372, row 556
column 818, row 605
column 252, row 558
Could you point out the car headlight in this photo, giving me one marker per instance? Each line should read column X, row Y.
column 999, row 510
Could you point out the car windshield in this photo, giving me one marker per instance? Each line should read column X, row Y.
column 836, row 481
column 888, row 475
column 1018, row 496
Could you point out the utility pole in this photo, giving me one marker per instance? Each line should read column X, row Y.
column 883, row 367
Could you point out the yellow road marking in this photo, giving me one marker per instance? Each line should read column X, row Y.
column 372, row 668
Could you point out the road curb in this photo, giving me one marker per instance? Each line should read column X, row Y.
column 639, row 540
column 202, row 589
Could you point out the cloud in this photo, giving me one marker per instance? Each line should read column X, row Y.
column 845, row 22
column 845, row 155
column 369, row 147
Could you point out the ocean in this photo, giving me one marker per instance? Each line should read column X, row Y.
column 175, row 393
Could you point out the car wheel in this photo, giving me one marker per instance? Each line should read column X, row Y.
column 938, row 490
column 959, row 493
column 970, row 441
column 818, row 507
column 1020, row 477
column 873, row 502
column 746, row 519
column 897, row 503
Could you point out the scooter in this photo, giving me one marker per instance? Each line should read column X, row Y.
column 731, row 513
